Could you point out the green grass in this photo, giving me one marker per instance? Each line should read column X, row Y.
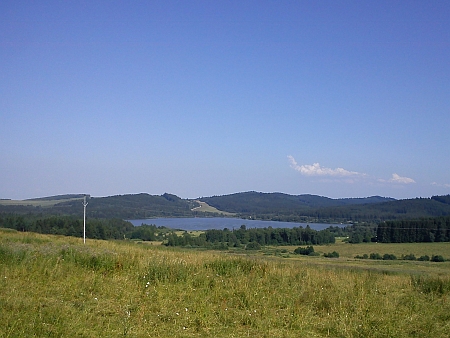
column 53, row 286
column 398, row 249
column 38, row 202
column 205, row 207
column 347, row 260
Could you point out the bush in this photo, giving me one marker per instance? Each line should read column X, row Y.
column 389, row 257
column 409, row 257
column 437, row 258
column 304, row 251
column 375, row 256
column 424, row 258
column 333, row 254
column 253, row 246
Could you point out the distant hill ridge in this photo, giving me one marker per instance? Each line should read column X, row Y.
column 252, row 200
column 251, row 204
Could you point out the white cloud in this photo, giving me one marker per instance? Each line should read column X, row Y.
column 344, row 175
column 446, row 185
column 316, row 170
column 399, row 179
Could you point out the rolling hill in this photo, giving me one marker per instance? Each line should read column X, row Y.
column 270, row 206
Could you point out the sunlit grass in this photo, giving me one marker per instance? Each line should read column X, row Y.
column 56, row 286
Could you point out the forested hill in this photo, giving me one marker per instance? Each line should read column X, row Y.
column 258, row 202
column 283, row 207
column 133, row 206
column 273, row 206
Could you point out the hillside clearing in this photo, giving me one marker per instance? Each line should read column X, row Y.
column 205, row 207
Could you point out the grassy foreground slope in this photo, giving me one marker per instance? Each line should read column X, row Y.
column 54, row 286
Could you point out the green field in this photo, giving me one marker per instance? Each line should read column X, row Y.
column 54, row 286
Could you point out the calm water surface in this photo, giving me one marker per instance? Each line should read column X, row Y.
column 220, row 223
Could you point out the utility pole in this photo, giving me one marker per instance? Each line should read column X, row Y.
column 84, row 220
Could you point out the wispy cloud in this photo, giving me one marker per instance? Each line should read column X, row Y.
column 446, row 185
column 399, row 179
column 317, row 170
column 344, row 175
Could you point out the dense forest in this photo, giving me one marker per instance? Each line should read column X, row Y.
column 436, row 229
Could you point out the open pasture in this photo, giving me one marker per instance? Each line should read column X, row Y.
column 53, row 286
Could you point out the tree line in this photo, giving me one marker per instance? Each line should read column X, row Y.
column 435, row 229
column 243, row 236
column 68, row 226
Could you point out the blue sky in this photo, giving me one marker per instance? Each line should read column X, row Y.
column 202, row 98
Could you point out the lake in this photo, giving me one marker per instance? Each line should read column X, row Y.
column 219, row 223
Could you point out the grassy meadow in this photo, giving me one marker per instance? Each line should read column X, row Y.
column 54, row 286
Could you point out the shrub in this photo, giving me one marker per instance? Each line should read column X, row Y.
column 437, row 258
column 333, row 254
column 304, row 251
column 424, row 258
column 375, row 256
column 253, row 246
column 409, row 257
column 389, row 257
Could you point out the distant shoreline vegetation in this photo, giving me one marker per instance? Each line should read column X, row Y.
column 435, row 229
